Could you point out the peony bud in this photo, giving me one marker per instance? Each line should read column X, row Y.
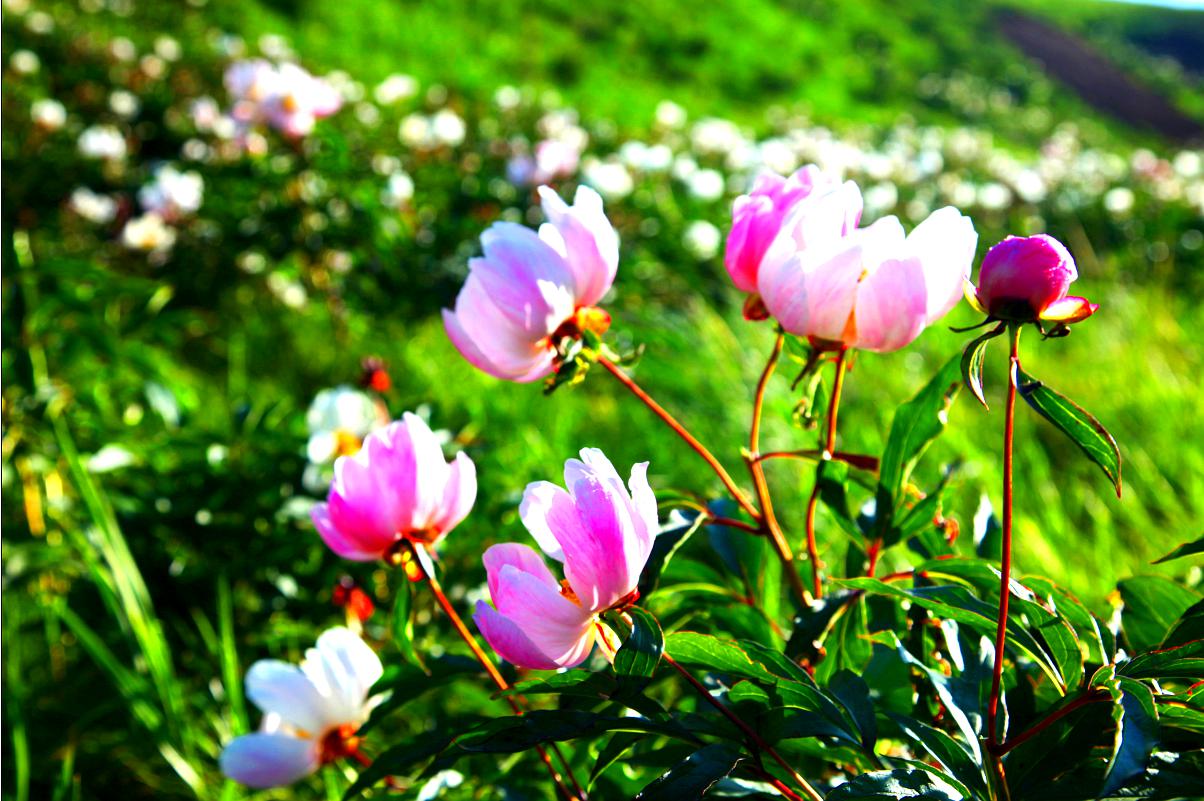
column 1026, row 279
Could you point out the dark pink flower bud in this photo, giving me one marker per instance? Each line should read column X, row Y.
column 1027, row 278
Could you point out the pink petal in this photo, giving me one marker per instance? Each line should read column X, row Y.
column 891, row 305
column 424, row 479
column 555, row 625
column 523, row 557
column 583, row 235
column 343, row 545
column 831, row 290
column 1070, row 309
column 595, row 558
column 487, row 339
column 545, row 510
column 269, row 760
column 508, row 640
column 944, row 243
column 529, row 282
column 459, row 493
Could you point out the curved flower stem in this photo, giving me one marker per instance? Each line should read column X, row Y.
column 680, row 430
column 769, row 520
column 1090, row 698
column 1005, row 566
column 829, row 446
column 498, row 679
column 744, row 728
column 727, row 521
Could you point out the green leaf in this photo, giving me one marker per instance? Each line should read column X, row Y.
column 972, row 361
column 399, row 760
column 724, row 656
column 1186, row 549
column 403, row 623
column 854, row 695
column 956, row 758
column 916, row 424
column 636, row 661
column 912, row 784
column 833, row 478
column 511, row 734
column 1183, row 662
column 677, row 531
column 618, row 744
column 956, row 603
column 1136, row 735
column 399, row 687
column 1152, row 605
column 1188, row 628
column 694, row 776
column 1083, row 429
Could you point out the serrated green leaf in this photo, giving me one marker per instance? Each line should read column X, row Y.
column 694, row 776
column 1136, row 735
column 1073, row 421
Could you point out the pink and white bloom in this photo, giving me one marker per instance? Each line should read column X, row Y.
column 875, row 289
column 285, row 97
column 818, row 205
column 311, row 711
column 1026, row 279
column 396, row 487
column 172, row 194
column 602, row 532
column 528, row 290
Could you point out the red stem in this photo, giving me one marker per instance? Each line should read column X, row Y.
column 769, row 522
column 747, row 730
column 1005, row 568
column 677, row 427
column 829, row 446
column 727, row 521
column 1092, row 697
column 498, row 679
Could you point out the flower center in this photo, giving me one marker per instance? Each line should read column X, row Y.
column 338, row 743
column 586, row 318
column 567, row 592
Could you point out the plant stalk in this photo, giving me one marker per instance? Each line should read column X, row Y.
column 680, row 430
column 500, row 680
column 1005, row 567
column 817, row 588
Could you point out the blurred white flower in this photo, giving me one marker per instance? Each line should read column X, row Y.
column 1188, row 163
column 400, row 189
column 48, row 114
column 287, row 290
column 706, row 185
column 122, row 49
column 93, row 207
column 702, row 239
column 25, row 62
column 338, row 420
column 716, row 136
column 124, row 104
column 610, row 178
column 1119, row 201
column 415, row 131
column 448, row 127
column 102, row 142
column 395, row 88
column 880, row 198
column 172, row 193
column 110, row 457
column 670, row 115
column 286, row 97
column 994, row 196
column 507, row 98
column 167, row 48
column 646, row 158
column 148, row 233
column 443, row 780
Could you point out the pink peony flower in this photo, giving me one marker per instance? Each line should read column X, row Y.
column 311, row 711
column 601, row 533
column 875, row 289
column 397, row 486
column 529, row 291
column 1026, row 279
column 817, row 205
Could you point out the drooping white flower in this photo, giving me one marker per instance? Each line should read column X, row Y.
column 311, row 711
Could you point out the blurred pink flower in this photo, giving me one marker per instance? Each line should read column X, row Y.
column 285, row 97
column 1026, row 279
column 397, row 486
column 875, row 289
column 311, row 711
column 552, row 159
column 814, row 203
column 601, row 532
column 529, row 291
